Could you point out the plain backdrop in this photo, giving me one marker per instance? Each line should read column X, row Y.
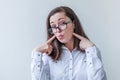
column 23, row 27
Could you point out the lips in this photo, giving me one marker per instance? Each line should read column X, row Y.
column 60, row 36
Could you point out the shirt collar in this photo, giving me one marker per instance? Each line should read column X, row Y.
column 65, row 48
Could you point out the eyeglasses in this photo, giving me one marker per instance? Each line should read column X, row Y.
column 62, row 26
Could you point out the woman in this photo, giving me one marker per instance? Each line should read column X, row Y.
column 68, row 54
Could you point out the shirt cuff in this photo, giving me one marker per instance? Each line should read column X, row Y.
column 36, row 56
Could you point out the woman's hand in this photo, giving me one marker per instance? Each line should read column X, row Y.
column 84, row 43
column 46, row 48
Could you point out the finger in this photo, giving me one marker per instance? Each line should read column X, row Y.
column 51, row 39
column 50, row 50
column 78, row 36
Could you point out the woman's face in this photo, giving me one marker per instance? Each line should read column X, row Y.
column 67, row 27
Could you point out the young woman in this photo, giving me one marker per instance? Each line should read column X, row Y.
column 68, row 54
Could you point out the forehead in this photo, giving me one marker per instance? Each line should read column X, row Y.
column 57, row 17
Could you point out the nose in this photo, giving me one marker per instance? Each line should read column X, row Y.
column 58, row 30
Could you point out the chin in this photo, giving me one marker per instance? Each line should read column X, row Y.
column 63, row 41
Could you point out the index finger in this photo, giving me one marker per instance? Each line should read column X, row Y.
column 51, row 39
column 78, row 36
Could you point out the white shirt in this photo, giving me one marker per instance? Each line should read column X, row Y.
column 74, row 65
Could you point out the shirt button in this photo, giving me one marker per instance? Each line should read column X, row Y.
column 70, row 58
column 90, row 62
column 38, row 54
column 87, row 51
column 38, row 65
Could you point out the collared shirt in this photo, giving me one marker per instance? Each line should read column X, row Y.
column 75, row 65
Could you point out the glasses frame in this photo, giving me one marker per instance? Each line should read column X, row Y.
column 65, row 23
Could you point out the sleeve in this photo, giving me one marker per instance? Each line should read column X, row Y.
column 39, row 67
column 95, row 70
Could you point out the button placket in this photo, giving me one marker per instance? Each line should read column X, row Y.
column 70, row 66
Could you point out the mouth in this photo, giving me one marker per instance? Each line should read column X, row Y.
column 60, row 36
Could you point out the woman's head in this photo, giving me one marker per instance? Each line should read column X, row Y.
column 62, row 27
column 62, row 22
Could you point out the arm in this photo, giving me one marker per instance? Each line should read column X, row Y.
column 39, row 67
column 95, row 70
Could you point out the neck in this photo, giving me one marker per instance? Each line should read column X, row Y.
column 70, row 45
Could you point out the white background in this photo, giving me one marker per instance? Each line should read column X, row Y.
column 22, row 27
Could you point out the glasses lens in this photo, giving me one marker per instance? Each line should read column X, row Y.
column 54, row 30
column 62, row 26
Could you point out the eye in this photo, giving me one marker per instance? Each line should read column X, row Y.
column 53, row 25
column 62, row 23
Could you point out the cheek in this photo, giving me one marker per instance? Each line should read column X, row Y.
column 68, row 35
column 69, row 32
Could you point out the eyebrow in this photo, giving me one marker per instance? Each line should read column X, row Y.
column 57, row 20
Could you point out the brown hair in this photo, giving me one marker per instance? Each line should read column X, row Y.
column 78, row 29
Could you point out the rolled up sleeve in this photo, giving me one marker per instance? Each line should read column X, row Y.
column 95, row 68
column 38, row 67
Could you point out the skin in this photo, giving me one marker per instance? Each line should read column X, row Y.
column 66, row 36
